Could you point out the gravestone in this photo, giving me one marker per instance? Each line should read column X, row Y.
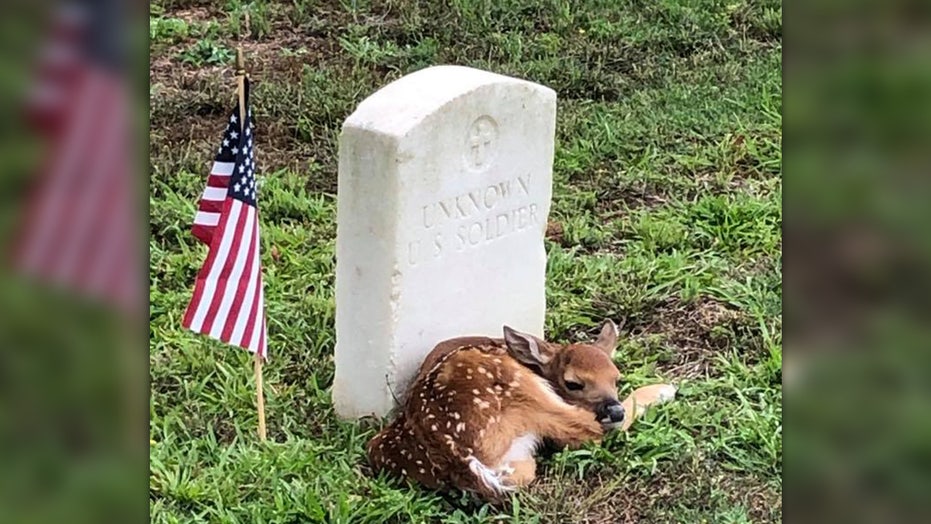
column 445, row 179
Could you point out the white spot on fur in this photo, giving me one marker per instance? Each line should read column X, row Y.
column 522, row 448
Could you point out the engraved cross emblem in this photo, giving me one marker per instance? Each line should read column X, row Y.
column 480, row 140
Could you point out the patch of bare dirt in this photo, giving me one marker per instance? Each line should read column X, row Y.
column 279, row 58
column 696, row 331
column 618, row 199
column 196, row 14
column 555, row 232
column 189, row 103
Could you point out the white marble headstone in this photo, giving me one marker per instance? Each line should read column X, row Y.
column 445, row 180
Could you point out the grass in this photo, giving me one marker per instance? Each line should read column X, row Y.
column 666, row 213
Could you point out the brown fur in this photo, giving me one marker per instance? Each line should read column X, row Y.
column 472, row 398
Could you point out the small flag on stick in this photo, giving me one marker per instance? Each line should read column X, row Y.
column 229, row 300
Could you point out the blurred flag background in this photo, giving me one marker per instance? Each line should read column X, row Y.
column 73, row 295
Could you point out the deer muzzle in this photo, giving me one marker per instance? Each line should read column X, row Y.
column 610, row 413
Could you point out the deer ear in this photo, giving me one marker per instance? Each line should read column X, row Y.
column 607, row 339
column 526, row 348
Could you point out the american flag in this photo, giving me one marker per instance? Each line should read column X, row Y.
column 80, row 226
column 229, row 300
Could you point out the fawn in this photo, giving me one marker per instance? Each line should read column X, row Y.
column 478, row 408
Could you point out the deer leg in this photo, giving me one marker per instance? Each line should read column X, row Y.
column 522, row 472
column 568, row 425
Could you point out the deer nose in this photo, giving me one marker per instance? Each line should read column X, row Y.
column 611, row 411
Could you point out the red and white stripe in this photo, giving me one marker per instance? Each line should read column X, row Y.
column 211, row 202
column 78, row 221
column 59, row 65
column 229, row 301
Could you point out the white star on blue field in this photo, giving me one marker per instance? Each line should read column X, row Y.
column 238, row 148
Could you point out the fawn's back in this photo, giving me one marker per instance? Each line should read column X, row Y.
column 447, row 416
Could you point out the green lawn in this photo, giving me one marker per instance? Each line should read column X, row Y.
column 666, row 213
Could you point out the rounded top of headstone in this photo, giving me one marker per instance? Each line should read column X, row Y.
column 403, row 104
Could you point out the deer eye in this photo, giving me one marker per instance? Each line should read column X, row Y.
column 574, row 386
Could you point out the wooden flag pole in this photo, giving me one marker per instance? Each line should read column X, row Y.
column 260, row 396
column 259, row 388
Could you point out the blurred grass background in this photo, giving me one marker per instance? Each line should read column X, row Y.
column 857, row 366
